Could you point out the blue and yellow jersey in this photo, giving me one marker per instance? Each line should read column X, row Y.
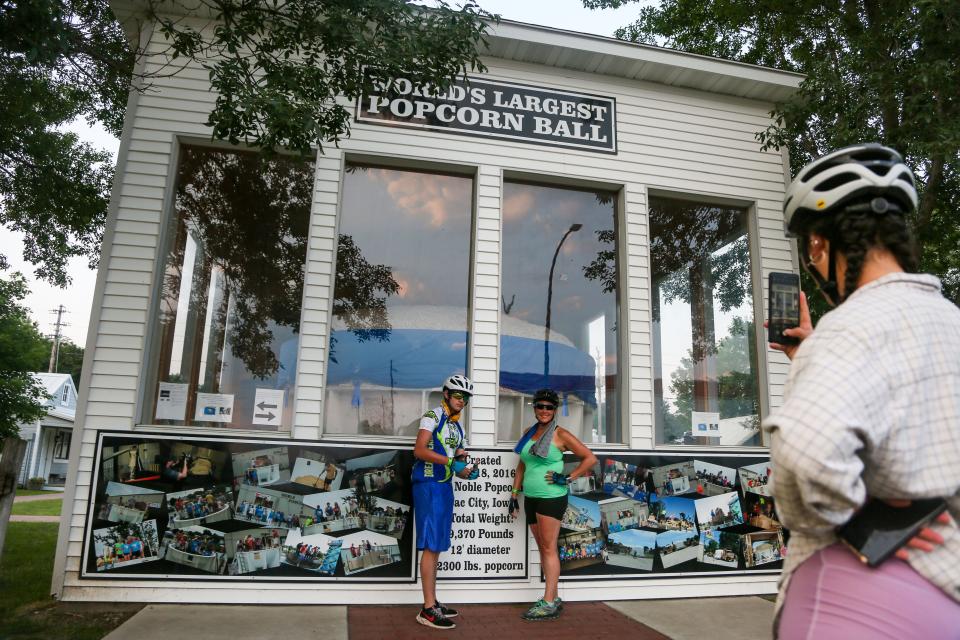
column 447, row 437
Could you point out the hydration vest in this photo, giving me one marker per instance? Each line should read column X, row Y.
column 431, row 471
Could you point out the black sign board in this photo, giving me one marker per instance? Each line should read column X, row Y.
column 496, row 109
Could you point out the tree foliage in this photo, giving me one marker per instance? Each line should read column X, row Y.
column 59, row 60
column 281, row 71
column 877, row 70
column 279, row 67
column 21, row 397
column 737, row 383
column 249, row 217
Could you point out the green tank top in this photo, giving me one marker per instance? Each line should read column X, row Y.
column 535, row 484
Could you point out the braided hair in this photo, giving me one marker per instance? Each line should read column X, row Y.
column 855, row 233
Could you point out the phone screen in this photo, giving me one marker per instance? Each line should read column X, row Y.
column 784, row 307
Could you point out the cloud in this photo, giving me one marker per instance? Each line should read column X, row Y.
column 517, row 205
column 431, row 196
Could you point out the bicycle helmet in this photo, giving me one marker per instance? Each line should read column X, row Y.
column 546, row 394
column 458, row 383
column 869, row 175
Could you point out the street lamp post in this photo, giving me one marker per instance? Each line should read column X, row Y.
column 546, row 333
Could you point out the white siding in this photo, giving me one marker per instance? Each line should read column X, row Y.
column 673, row 139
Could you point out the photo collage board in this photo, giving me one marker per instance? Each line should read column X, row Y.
column 660, row 514
column 177, row 507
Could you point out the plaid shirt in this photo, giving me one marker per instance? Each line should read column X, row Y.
column 872, row 407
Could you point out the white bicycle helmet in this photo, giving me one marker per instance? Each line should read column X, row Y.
column 458, row 383
column 869, row 174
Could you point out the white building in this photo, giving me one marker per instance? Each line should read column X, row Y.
column 606, row 199
column 49, row 438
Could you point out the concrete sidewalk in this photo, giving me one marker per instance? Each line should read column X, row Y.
column 53, row 495
column 15, row 518
column 732, row 618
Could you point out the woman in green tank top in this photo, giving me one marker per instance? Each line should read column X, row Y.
column 540, row 475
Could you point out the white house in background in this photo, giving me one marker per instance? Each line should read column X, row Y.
column 48, row 439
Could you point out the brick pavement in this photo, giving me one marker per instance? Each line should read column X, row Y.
column 579, row 621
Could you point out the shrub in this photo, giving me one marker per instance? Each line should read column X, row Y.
column 36, row 483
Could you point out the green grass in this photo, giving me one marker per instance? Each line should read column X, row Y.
column 29, row 612
column 38, row 508
column 37, row 492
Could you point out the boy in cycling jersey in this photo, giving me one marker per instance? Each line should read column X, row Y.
column 440, row 441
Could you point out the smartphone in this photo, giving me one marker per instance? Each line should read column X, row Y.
column 784, row 307
column 876, row 531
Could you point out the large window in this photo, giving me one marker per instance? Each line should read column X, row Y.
column 232, row 290
column 706, row 383
column 400, row 299
column 61, row 444
column 559, row 310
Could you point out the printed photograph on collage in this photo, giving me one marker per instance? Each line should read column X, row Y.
column 261, row 467
column 127, row 503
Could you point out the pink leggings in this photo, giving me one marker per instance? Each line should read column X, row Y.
column 833, row 596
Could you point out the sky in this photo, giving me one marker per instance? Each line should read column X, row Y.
column 78, row 296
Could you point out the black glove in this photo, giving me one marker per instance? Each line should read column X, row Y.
column 514, row 509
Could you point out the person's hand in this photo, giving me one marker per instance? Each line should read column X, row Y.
column 801, row 333
column 556, row 478
column 474, row 473
column 457, row 466
column 926, row 539
column 514, row 509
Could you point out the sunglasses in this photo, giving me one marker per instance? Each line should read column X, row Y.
column 459, row 395
column 545, row 407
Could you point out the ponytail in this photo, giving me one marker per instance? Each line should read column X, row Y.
column 855, row 233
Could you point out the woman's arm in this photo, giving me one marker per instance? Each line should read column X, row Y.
column 514, row 505
column 571, row 443
column 518, row 477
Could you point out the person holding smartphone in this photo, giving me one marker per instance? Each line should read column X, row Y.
column 545, row 488
column 871, row 408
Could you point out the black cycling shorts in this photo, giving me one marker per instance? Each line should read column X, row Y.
column 549, row 507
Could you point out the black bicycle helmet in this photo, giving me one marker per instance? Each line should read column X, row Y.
column 546, row 394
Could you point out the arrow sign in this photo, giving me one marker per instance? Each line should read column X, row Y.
column 266, row 405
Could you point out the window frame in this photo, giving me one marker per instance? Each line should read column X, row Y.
column 61, row 437
column 414, row 164
column 168, row 228
column 751, row 214
column 619, row 192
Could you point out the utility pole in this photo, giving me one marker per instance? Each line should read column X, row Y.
column 55, row 347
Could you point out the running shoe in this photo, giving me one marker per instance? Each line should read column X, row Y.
column 433, row 617
column 559, row 603
column 542, row 610
column 448, row 612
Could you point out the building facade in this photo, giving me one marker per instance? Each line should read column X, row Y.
column 49, row 438
column 588, row 214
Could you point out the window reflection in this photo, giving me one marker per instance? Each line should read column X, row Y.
column 559, row 309
column 705, row 353
column 401, row 296
column 233, row 285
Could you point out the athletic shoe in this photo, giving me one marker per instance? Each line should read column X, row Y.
column 433, row 617
column 542, row 610
column 448, row 612
column 559, row 603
